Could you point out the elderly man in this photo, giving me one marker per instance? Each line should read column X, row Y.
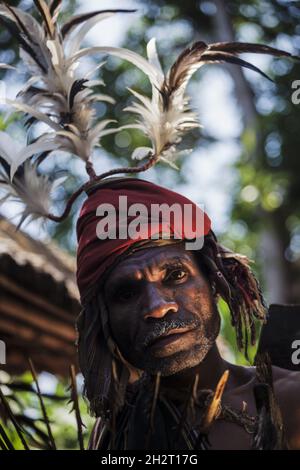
column 147, row 332
column 153, row 373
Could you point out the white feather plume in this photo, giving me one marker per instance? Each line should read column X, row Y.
column 32, row 190
column 164, row 127
column 166, row 117
column 56, row 93
column 15, row 153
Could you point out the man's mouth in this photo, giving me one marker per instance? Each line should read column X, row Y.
column 169, row 337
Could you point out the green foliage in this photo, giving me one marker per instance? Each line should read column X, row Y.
column 24, row 403
column 229, row 336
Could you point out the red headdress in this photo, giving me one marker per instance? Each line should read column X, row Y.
column 94, row 255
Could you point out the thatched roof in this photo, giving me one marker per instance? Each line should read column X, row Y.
column 38, row 302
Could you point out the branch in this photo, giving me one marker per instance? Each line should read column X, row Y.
column 74, row 399
column 43, row 408
column 11, row 416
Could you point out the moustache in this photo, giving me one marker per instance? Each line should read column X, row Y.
column 163, row 327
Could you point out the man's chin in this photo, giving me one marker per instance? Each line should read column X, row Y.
column 177, row 362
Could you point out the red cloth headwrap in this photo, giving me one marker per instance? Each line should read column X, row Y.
column 94, row 255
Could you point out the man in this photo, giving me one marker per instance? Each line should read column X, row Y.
column 147, row 338
column 149, row 322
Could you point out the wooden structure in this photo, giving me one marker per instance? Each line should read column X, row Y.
column 38, row 303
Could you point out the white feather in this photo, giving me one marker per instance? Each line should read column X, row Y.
column 56, row 83
column 29, row 151
column 76, row 39
column 32, row 190
column 36, row 33
column 7, row 66
column 56, row 95
column 152, row 72
column 8, row 147
column 164, row 127
column 141, row 152
column 16, row 153
column 33, row 112
column 152, row 55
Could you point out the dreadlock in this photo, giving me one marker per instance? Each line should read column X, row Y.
column 105, row 371
column 231, row 278
column 105, row 374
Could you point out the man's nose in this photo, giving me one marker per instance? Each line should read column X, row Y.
column 157, row 306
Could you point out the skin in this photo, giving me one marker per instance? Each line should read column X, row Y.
column 164, row 318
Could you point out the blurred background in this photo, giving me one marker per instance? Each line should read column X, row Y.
column 244, row 169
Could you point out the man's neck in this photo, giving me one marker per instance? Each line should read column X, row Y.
column 209, row 372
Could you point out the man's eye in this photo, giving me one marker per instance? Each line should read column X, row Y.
column 176, row 275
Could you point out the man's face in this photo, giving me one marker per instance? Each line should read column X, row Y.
column 161, row 311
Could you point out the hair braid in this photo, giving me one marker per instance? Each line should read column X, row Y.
column 234, row 281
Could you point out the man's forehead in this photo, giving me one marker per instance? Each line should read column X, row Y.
column 151, row 257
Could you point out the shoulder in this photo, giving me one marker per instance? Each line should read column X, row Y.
column 287, row 392
column 286, row 383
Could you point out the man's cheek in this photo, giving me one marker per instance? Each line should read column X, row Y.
column 125, row 334
column 203, row 302
column 117, row 329
column 184, row 296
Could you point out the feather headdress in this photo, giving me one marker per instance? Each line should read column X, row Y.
column 62, row 99
column 55, row 95
column 166, row 117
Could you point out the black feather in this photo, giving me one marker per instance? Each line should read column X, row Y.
column 77, row 20
column 45, row 13
column 189, row 56
column 31, row 91
column 15, row 32
column 42, row 157
column 248, row 47
column 77, row 86
column 55, row 6
column 18, row 20
column 232, row 59
column 29, row 121
column 5, row 166
column 180, row 70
